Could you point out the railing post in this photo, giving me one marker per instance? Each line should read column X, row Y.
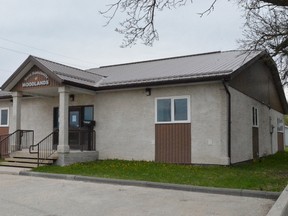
column 32, row 137
column 38, row 158
column 94, row 140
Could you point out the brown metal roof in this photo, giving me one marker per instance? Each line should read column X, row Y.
column 202, row 66
column 191, row 68
column 207, row 66
column 71, row 74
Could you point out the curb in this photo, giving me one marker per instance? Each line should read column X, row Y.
column 280, row 208
column 12, row 171
column 211, row 190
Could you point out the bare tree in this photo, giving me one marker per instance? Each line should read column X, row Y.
column 140, row 20
column 266, row 28
column 266, row 24
column 273, row 2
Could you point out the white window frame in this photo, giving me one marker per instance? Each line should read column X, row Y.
column 257, row 116
column 280, row 125
column 4, row 125
column 173, row 98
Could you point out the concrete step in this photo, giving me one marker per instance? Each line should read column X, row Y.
column 24, row 154
column 24, row 159
column 28, row 160
column 15, row 164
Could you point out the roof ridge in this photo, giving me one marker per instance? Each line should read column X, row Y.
column 241, row 50
column 36, row 57
column 219, row 73
column 160, row 59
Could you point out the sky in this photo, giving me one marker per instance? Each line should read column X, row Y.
column 72, row 32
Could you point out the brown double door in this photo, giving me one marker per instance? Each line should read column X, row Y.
column 280, row 139
column 255, row 142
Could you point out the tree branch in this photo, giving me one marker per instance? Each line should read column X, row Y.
column 140, row 21
column 276, row 2
column 209, row 10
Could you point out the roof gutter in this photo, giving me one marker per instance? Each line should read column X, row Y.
column 229, row 121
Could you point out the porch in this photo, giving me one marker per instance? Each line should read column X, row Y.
column 66, row 112
column 18, row 149
column 57, row 103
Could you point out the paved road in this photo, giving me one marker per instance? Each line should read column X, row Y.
column 32, row 196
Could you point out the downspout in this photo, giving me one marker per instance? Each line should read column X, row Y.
column 229, row 120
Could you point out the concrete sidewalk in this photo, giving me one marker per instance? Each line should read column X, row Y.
column 12, row 170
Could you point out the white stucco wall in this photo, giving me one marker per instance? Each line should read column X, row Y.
column 125, row 122
column 241, row 129
column 37, row 115
column 209, row 106
column 125, row 125
column 274, row 116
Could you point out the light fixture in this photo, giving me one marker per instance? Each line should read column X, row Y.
column 148, row 91
column 72, row 97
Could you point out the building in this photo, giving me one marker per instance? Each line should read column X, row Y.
column 213, row 108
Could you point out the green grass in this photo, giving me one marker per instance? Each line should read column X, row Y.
column 268, row 174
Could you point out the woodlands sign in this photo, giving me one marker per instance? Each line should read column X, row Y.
column 34, row 79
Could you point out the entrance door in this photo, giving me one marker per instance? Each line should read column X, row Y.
column 74, row 127
column 81, row 127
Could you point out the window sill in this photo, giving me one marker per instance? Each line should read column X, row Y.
column 174, row 122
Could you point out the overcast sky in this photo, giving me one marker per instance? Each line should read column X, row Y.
column 72, row 32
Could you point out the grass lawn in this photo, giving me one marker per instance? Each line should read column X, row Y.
column 268, row 174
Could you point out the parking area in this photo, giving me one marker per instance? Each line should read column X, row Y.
column 24, row 195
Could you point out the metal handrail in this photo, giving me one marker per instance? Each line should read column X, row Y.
column 45, row 148
column 16, row 141
column 90, row 143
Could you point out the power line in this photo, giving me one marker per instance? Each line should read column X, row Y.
column 42, row 50
column 62, row 62
column 12, row 50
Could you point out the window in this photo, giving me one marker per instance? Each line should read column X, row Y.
column 280, row 125
column 173, row 110
column 76, row 115
column 164, row 110
column 255, row 117
column 4, row 117
column 88, row 113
